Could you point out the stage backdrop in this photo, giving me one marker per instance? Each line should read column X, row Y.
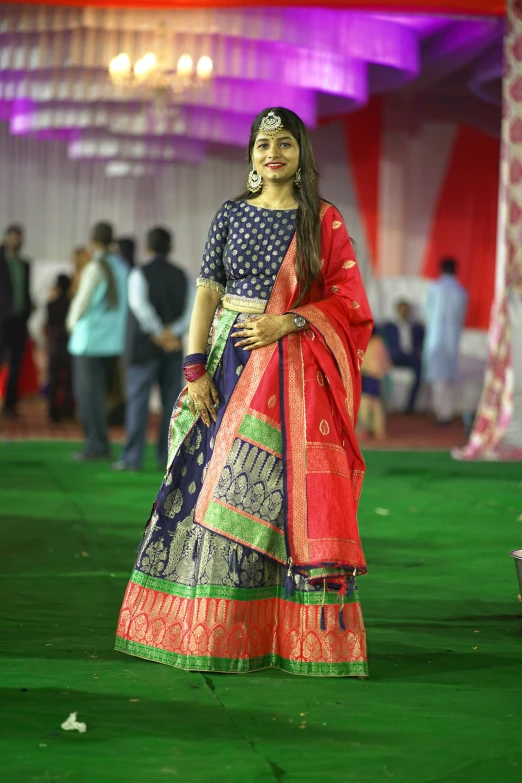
column 426, row 188
column 411, row 186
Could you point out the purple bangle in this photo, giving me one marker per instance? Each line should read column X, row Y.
column 195, row 358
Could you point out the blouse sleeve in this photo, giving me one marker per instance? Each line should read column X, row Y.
column 213, row 274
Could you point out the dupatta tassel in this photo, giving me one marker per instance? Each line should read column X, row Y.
column 233, row 560
column 289, row 581
column 351, row 583
column 322, row 623
column 342, row 624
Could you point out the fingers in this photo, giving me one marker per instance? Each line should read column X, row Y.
column 199, row 408
column 206, row 405
column 253, row 346
column 214, row 394
column 244, row 333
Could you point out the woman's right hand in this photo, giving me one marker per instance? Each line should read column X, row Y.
column 203, row 398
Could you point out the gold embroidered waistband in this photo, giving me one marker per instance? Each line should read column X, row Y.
column 242, row 304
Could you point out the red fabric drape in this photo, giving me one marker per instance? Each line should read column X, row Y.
column 465, row 222
column 363, row 138
column 482, row 7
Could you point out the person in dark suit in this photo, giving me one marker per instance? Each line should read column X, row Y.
column 61, row 403
column 404, row 339
column 161, row 298
column 15, row 309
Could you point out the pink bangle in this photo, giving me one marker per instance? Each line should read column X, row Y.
column 194, row 371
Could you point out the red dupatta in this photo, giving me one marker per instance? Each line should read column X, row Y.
column 298, row 400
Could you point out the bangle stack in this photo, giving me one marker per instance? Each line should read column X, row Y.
column 194, row 366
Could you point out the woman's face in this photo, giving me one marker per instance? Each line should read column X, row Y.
column 276, row 157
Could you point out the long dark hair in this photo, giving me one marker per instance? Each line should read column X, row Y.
column 102, row 233
column 308, row 225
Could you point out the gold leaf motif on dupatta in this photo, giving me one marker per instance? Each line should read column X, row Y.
column 193, row 441
column 168, row 479
column 192, row 487
column 184, row 470
column 201, row 458
column 334, row 289
column 336, row 224
column 349, row 264
column 173, row 503
column 324, row 427
column 272, row 401
column 355, row 305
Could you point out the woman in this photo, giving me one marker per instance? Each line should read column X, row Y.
column 80, row 259
column 250, row 554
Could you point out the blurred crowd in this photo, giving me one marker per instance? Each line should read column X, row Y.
column 428, row 348
column 114, row 330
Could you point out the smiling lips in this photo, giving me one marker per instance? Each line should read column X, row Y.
column 275, row 166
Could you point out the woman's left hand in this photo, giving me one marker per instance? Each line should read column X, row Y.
column 263, row 330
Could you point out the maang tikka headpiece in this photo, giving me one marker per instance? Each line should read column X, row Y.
column 271, row 123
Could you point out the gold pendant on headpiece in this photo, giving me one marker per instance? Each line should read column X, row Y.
column 271, row 123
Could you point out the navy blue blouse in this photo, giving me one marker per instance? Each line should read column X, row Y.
column 245, row 248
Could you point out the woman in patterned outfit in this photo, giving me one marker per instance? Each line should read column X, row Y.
column 251, row 551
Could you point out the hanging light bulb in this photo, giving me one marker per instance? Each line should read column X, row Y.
column 150, row 61
column 205, row 68
column 145, row 66
column 120, row 68
column 185, row 66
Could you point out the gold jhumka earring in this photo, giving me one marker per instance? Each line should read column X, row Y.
column 254, row 181
column 297, row 178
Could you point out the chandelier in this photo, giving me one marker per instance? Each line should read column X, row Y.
column 158, row 74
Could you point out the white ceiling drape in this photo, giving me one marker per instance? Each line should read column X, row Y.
column 59, row 199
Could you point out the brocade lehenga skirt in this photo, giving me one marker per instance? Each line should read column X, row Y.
column 197, row 600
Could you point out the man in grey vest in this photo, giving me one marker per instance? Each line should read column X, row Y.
column 161, row 297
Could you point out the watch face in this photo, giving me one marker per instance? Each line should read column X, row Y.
column 299, row 321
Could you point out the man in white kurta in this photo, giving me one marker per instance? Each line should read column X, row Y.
column 445, row 311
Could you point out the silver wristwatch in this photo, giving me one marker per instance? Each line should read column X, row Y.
column 300, row 322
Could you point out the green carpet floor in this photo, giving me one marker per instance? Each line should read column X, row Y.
column 444, row 698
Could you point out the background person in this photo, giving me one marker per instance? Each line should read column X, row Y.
column 375, row 367
column 161, row 297
column 127, row 250
column 15, row 308
column 445, row 312
column 404, row 338
column 80, row 258
column 96, row 323
column 60, row 393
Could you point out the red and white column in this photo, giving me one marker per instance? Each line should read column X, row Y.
column 497, row 432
